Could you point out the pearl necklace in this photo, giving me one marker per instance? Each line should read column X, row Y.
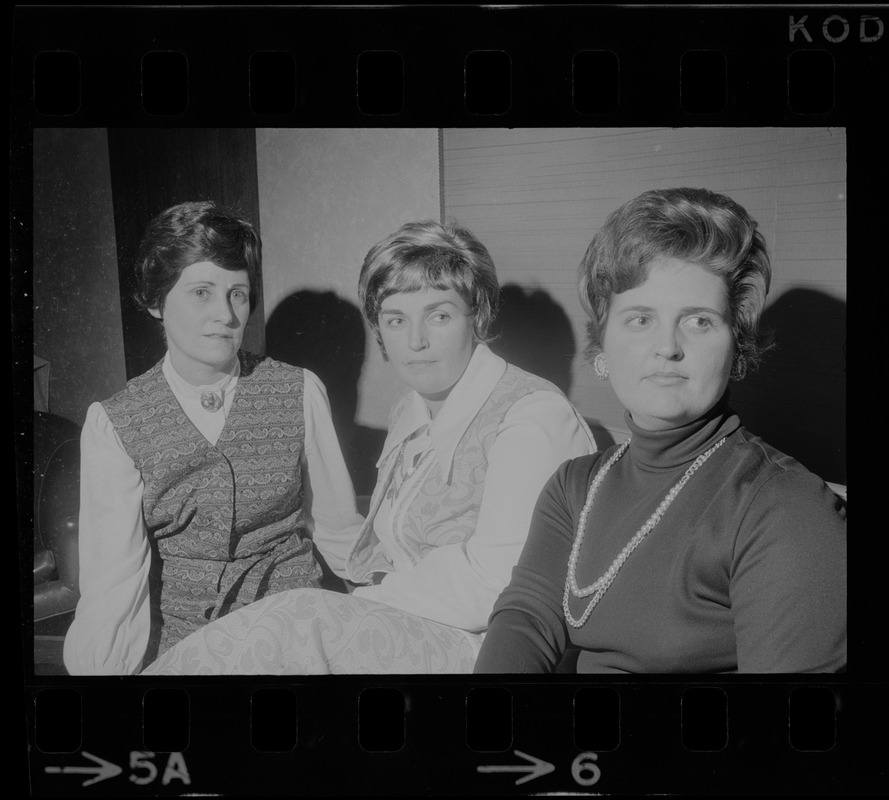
column 600, row 586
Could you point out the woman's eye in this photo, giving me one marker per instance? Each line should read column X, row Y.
column 200, row 293
column 639, row 321
column 700, row 323
column 439, row 317
column 239, row 296
column 394, row 322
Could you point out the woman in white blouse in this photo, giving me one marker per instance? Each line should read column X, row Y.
column 204, row 481
column 469, row 448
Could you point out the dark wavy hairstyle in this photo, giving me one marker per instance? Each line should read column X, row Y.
column 429, row 255
column 186, row 234
column 694, row 225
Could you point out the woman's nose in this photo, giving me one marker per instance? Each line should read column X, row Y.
column 668, row 345
column 224, row 310
column 417, row 339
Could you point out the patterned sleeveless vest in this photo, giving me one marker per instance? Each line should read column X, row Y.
column 445, row 508
column 225, row 522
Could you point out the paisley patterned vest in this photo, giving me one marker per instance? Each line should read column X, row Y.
column 445, row 508
column 225, row 522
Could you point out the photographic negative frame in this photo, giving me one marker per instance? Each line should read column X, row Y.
column 182, row 76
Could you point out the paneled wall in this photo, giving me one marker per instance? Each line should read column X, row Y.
column 537, row 196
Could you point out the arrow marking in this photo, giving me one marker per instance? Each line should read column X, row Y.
column 535, row 769
column 104, row 771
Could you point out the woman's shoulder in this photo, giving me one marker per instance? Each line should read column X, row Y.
column 521, row 393
column 252, row 362
column 528, row 381
column 770, row 463
column 774, row 477
column 567, row 487
column 97, row 417
column 576, row 473
column 137, row 388
column 256, row 365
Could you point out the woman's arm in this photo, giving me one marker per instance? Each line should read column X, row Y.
column 329, row 499
column 112, row 621
column 458, row 584
column 788, row 580
column 527, row 631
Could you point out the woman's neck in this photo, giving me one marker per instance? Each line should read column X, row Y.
column 197, row 374
column 666, row 449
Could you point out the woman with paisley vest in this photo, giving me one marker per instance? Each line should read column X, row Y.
column 469, row 448
column 205, row 480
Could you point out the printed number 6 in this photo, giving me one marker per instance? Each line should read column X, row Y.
column 584, row 771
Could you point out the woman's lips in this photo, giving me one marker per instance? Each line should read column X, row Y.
column 665, row 378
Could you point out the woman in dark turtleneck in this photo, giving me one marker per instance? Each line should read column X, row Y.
column 694, row 546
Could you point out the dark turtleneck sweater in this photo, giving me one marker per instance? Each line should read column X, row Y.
column 745, row 572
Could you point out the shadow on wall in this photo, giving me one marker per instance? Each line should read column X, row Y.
column 325, row 334
column 796, row 401
column 533, row 332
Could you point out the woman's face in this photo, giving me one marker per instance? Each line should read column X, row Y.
column 204, row 317
column 429, row 338
column 669, row 344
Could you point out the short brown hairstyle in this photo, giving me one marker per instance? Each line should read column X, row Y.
column 429, row 255
column 694, row 225
column 186, row 234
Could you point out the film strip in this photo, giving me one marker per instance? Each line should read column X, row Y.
column 448, row 67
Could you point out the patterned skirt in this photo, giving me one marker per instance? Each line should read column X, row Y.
column 319, row 632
